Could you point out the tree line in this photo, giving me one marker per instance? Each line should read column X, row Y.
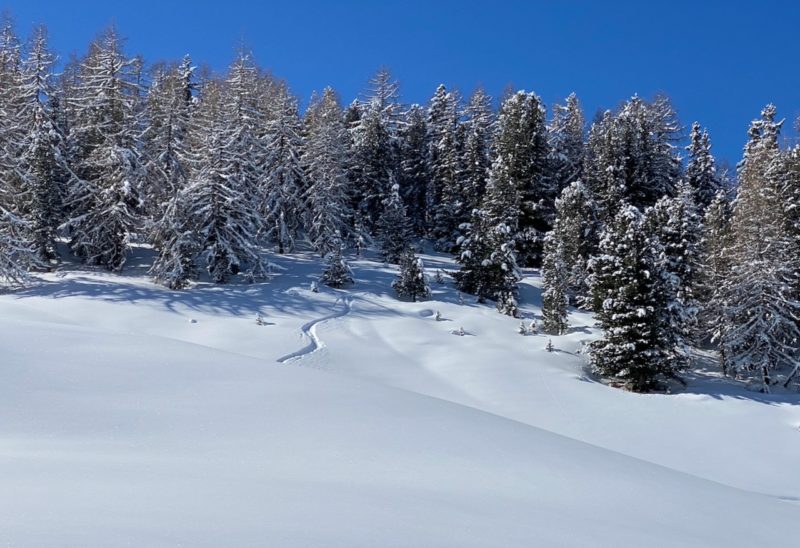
column 667, row 250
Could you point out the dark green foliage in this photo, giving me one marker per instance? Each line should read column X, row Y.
column 411, row 282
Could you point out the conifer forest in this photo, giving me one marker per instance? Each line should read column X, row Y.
column 625, row 214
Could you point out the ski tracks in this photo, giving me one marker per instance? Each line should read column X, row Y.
column 309, row 331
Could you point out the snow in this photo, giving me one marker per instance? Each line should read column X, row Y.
column 125, row 424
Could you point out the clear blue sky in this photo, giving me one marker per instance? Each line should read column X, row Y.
column 719, row 61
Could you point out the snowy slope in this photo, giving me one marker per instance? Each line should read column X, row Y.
column 137, row 416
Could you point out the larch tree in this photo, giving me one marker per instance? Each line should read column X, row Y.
column 103, row 200
column 171, row 159
column 284, row 181
column 17, row 250
column 325, row 161
column 218, row 201
column 41, row 151
column 758, row 330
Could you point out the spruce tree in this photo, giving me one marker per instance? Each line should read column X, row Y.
column 631, row 155
column 675, row 226
column 487, row 253
column 394, row 229
column 701, row 171
column 444, row 201
column 337, row 272
column 411, row 282
column 413, row 175
column 576, row 234
column 636, row 348
column 375, row 148
column 555, row 286
column 566, row 138
column 521, row 140
column 476, row 155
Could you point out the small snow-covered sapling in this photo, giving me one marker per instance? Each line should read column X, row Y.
column 522, row 330
column 314, row 287
column 439, row 277
column 438, row 316
column 533, row 327
column 549, row 346
column 260, row 320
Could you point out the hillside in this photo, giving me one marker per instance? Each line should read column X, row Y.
column 138, row 416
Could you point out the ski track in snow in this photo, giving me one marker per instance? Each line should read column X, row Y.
column 309, row 331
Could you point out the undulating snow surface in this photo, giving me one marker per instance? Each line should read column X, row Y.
column 131, row 415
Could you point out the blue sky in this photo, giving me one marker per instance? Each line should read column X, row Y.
column 719, row 61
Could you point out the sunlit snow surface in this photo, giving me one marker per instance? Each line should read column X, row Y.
column 131, row 415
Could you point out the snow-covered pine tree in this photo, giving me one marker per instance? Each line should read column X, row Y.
column 487, row 254
column 636, row 348
column 17, row 254
column 394, row 229
column 178, row 240
column 41, row 151
column 789, row 187
column 413, row 176
column 701, row 171
column 411, row 282
column 16, row 243
column 631, row 156
column 576, row 232
column 375, row 157
column 604, row 173
column 103, row 200
column 555, row 276
column 444, row 203
column 325, row 162
column 566, row 138
column 758, row 331
column 337, row 272
column 521, row 140
column 675, row 226
column 167, row 116
column 715, row 263
column 247, row 120
column 476, row 155
column 504, row 257
column 285, row 179
column 216, row 216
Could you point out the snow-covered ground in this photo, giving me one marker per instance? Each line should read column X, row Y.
column 131, row 415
